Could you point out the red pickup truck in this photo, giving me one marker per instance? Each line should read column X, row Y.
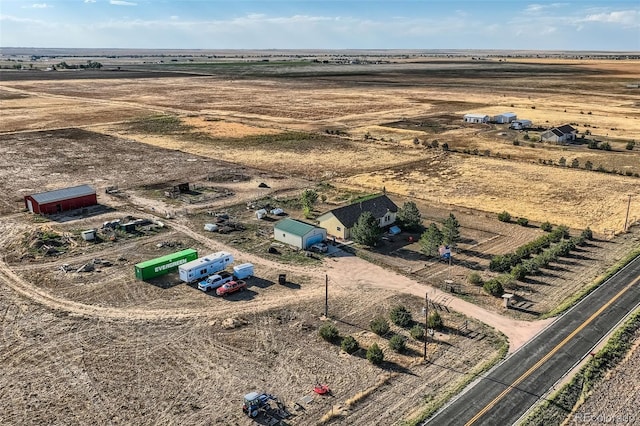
column 231, row 287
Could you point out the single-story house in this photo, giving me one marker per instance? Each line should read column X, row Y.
column 298, row 233
column 521, row 124
column 60, row 200
column 559, row 134
column 338, row 222
column 476, row 118
column 505, row 117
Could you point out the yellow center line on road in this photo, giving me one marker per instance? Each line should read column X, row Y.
column 520, row 379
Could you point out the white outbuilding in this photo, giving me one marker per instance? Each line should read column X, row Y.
column 505, row 117
column 298, row 234
column 476, row 118
column 521, row 124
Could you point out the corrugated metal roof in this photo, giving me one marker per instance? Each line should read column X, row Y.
column 507, row 114
column 63, row 194
column 475, row 115
column 294, row 227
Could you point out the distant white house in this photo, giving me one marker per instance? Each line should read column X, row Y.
column 559, row 134
column 476, row 118
column 521, row 124
column 505, row 117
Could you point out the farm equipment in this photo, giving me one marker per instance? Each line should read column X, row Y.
column 263, row 403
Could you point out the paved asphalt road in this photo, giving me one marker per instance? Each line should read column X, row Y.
column 510, row 389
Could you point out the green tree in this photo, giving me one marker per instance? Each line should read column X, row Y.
column 409, row 216
column 417, row 332
column 587, row 234
column 431, row 240
column 329, row 332
column 399, row 315
column 451, row 231
column 546, row 226
column 349, row 345
column 308, row 198
column 493, row 287
column 606, row 146
column 445, row 146
column 588, row 165
column 575, row 163
column 562, row 161
column 379, row 325
column 398, row 343
column 366, row 231
column 474, row 278
column 504, row 216
column 435, row 143
column 522, row 221
column 375, row 354
column 630, row 145
column 435, row 321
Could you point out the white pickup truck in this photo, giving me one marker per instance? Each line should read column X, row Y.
column 215, row 281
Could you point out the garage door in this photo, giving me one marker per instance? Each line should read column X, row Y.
column 314, row 239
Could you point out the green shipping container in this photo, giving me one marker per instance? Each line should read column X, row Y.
column 164, row 265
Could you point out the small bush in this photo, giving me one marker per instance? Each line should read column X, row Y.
column 399, row 315
column 349, row 345
column 516, row 142
column 474, row 278
column 435, row 321
column 587, row 234
column 398, row 343
column 374, row 354
column 417, row 332
column 379, row 325
column 522, row 221
column 494, row 288
column 546, row 226
column 329, row 332
column 504, row 216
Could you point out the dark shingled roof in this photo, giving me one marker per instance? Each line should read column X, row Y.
column 378, row 206
column 566, row 129
column 63, row 194
column 557, row 132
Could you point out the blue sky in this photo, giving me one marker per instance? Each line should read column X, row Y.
column 330, row 24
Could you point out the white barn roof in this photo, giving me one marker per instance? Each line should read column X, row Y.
column 475, row 115
column 63, row 194
column 508, row 114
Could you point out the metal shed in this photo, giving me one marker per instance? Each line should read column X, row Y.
column 61, row 200
column 298, row 234
column 505, row 117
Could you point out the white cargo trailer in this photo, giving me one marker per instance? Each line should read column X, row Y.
column 205, row 266
column 243, row 271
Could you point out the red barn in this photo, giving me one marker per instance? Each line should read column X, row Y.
column 61, row 200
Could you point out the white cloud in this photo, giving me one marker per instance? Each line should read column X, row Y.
column 89, row 1
column 627, row 18
column 538, row 8
column 122, row 3
column 174, row 17
column 37, row 6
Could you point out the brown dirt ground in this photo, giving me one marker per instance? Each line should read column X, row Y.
column 103, row 347
column 616, row 398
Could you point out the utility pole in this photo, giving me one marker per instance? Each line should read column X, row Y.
column 626, row 219
column 426, row 322
column 326, row 296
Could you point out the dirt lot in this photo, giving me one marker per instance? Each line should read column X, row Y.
column 615, row 399
column 101, row 346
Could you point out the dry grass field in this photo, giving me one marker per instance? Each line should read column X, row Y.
column 103, row 347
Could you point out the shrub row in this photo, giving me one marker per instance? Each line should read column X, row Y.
column 504, row 263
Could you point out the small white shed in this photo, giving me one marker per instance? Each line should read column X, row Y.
column 521, row 124
column 476, row 118
column 298, row 234
column 505, row 117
